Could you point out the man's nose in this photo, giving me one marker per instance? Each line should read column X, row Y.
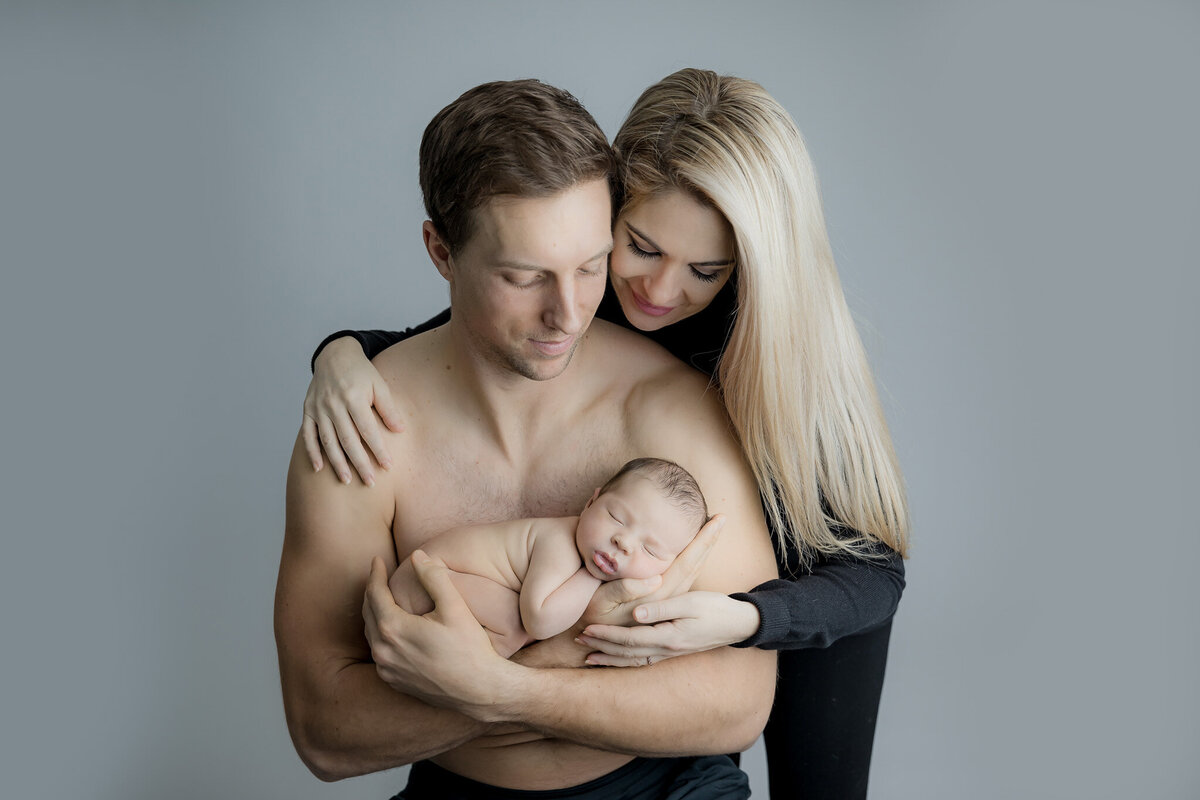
column 562, row 313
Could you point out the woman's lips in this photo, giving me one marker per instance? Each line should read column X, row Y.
column 649, row 308
column 606, row 564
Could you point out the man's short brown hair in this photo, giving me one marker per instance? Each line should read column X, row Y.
column 522, row 138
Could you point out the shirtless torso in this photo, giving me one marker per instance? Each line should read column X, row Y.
column 484, row 444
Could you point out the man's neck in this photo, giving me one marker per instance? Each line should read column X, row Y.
column 512, row 409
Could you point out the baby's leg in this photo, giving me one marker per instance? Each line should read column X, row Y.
column 496, row 607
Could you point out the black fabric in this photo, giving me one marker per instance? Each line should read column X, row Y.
column 703, row 778
column 822, row 727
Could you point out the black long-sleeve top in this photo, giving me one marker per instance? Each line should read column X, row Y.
column 815, row 606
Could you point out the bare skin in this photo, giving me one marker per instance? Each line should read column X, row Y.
column 500, row 425
column 530, row 579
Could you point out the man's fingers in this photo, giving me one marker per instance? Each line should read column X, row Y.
column 377, row 586
column 434, row 576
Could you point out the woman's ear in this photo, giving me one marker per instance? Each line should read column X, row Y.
column 439, row 251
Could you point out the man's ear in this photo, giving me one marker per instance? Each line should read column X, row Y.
column 439, row 251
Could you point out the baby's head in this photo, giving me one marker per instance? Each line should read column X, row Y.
column 635, row 525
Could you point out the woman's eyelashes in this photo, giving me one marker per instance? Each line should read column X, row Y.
column 706, row 277
column 640, row 253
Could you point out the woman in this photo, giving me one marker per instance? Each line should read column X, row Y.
column 713, row 166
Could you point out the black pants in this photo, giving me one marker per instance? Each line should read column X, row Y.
column 822, row 725
column 703, row 778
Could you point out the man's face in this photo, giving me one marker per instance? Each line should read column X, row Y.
column 526, row 284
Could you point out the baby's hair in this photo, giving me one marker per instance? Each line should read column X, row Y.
column 675, row 482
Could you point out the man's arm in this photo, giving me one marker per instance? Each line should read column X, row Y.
column 712, row 702
column 344, row 720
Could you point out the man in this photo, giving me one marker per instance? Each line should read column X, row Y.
column 520, row 406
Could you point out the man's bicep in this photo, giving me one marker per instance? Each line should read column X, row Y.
column 700, row 441
column 330, row 536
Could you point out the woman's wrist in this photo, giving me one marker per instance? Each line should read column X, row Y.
column 747, row 620
column 337, row 350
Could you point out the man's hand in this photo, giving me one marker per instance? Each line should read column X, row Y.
column 445, row 657
column 614, row 602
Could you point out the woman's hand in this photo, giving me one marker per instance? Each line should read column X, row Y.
column 689, row 623
column 337, row 412
column 613, row 602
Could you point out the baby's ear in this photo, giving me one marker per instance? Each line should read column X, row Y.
column 595, row 494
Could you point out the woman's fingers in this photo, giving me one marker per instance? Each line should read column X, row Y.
column 351, row 443
column 683, row 571
column 328, row 435
column 385, row 404
column 368, row 427
column 312, row 444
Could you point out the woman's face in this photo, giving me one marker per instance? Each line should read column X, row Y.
column 671, row 255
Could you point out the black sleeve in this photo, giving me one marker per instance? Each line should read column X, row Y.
column 840, row 597
column 375, row 342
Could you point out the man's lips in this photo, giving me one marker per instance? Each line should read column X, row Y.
column 554, row 348
column 607, row 564
column 649, row 308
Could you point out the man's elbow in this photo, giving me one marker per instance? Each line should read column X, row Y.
column 326, row 758
column 746, row 722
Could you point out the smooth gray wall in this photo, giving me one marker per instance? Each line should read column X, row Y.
column 193, row 194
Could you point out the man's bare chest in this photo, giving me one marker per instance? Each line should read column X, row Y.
column 463, row 480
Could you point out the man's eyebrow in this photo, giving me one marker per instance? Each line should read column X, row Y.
column 527, row 267
column 727, row 262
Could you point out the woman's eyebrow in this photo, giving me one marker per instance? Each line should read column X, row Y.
column 652, row 243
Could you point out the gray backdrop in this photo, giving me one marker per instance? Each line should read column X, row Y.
column 193, row 194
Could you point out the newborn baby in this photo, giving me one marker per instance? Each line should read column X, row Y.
column 532, row 579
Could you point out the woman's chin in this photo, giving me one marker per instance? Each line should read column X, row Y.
column 640, row 320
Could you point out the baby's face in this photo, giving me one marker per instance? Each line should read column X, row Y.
column 631, row 531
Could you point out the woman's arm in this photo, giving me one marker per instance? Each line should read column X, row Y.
column 375, row 342
column 840, row 597
column 338, row 416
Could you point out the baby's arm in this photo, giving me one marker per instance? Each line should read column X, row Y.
column 557, row 588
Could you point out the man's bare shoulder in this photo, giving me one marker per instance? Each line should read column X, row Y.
column 413, row 367
column 647, row 368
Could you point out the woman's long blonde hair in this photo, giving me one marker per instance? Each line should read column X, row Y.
column 794, row 374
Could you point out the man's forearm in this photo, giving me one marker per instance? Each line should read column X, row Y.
column 360, row 725
column 712, row 702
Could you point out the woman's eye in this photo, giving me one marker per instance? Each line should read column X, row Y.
column 707, row 277
column 639, row 252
